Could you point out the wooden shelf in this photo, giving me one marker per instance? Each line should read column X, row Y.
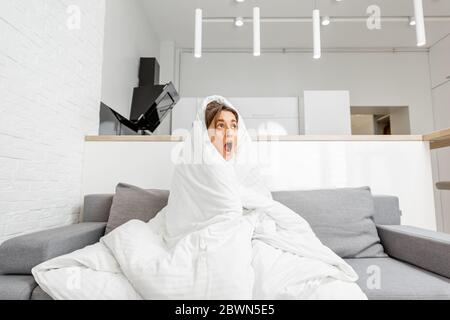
column 268, row 138
column 135, row 138
column 438, row 139
column 443, row 185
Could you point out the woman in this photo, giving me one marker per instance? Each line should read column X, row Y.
column 221, row 236
column 226, row 189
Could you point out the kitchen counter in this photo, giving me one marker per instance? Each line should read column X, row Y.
column 398, row 165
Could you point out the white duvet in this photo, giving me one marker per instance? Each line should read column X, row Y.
column 221, row 236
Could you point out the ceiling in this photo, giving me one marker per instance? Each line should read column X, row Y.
column 174, row 20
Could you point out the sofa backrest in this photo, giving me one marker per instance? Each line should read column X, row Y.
column 387, row 210
column 96, row 209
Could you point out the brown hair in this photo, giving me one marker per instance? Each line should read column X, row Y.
column 214, row 109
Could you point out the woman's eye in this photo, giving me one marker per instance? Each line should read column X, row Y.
column 220, row 125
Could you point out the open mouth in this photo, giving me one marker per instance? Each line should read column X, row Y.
column 228, row 146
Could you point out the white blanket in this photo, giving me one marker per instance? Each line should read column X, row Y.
column 221, row 236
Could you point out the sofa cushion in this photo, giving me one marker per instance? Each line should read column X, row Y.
column 16, row 287
column 131, row 202
column 342, row 218
column 398, row 280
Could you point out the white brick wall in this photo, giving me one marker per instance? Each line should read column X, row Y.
column 50, row 87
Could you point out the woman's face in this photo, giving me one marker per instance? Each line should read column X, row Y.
column 223, row 134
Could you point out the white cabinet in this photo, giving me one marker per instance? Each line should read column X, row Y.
column 327, row 113
column 275, row 126
column 263, row 116
column 269, row 115
column 266, row 107
column 440, row 62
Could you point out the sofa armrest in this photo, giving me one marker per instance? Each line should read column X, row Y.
column 19, row 255
column 426, row 249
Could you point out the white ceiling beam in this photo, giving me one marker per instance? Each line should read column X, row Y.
column 310, row 50
column 404, row 19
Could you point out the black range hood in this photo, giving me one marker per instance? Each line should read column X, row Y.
column 151, row 102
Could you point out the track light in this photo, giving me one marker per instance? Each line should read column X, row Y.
column 239, row 1
column 412, row 21
column 316, row 34
column 326, row 21
column 420, row 23
column 256, row 32
column 239, row 22
column 198, row 33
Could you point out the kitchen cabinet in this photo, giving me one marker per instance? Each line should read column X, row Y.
column 263, row 115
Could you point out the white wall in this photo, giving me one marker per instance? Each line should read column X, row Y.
column 50, row 84
column 129, row 35
column 373, row 79
column 167, row 74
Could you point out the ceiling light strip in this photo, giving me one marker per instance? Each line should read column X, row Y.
column 316, row 34
column 420, row 23
column 310, row 50
column 333, row 19
column 198, row 33
column 256, row 32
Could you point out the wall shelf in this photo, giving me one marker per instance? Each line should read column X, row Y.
column 267, row 138
column 443, row 185
column 438, row 139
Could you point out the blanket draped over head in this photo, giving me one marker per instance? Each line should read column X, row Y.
column 221, row 236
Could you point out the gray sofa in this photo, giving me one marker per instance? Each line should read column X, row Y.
column 417, row 266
